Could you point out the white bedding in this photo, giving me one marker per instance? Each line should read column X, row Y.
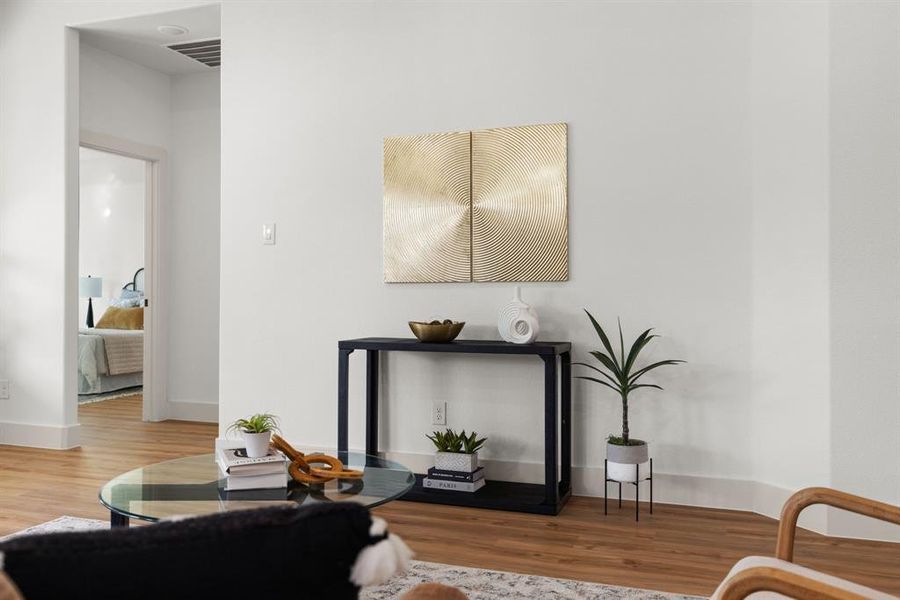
column 106, row 355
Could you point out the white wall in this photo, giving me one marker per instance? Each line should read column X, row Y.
column 790, row 331
column 193, row 367
column 660, row 155
column 123, row 99
column 865, row 257
column 111, row 223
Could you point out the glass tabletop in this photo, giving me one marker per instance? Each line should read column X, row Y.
column 192, row 486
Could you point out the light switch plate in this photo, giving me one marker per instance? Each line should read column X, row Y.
column 268, row 234
column 4, row 389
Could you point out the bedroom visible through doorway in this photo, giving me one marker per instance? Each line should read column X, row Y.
column 112, row 271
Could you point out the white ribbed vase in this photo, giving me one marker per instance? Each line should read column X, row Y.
column 518, row 322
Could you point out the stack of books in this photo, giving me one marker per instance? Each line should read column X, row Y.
column 457, row 481
column 243, row 473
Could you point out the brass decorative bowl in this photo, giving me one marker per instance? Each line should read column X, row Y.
column 436, row 331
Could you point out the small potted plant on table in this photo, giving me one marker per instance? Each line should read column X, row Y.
column 621, row 375
column 456, row 451
column 257, row 433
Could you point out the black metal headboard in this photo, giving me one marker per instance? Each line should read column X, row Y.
column 137, row 282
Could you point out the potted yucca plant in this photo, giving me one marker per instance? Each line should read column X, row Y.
column 621, row 374
column 456, row 451
column 257, row 433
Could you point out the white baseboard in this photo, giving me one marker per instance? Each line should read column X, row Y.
column 687, row 490
column 192, row 410
column 54, row 437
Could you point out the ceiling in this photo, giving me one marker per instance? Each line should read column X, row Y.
column 138, row 40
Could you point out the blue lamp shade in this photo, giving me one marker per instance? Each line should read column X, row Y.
column 90, row 287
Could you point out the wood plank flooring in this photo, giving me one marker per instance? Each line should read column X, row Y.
column 677, row 549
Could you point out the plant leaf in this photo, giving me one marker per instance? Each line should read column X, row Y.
column 601, row 382
column 608, row 363
column 601, row 371
column 638, row 345
column 643, row 385
column 655, row 365
column 603, row 338
column 621, row 347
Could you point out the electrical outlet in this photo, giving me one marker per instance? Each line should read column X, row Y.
column 4, row 389
column 438, row 412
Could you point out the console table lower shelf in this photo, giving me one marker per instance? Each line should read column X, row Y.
column 496, row 495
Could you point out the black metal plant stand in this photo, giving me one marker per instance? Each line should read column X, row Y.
column 637, row 488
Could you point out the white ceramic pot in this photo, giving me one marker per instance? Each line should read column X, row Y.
column 257, row 444
column 456, row 461
column 621, row 461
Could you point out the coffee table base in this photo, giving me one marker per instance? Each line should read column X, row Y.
column 117, row 520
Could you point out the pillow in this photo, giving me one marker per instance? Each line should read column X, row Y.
column 124, row 302
column 122, row 318
column 319, row 545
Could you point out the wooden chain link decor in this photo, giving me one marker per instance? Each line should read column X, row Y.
column 302, row 469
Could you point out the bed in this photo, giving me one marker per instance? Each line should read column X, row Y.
column 113, row 359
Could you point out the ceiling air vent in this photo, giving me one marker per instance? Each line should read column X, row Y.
column 208, row 52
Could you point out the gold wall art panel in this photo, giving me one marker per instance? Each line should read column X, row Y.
column 427, row 208
column 487, row 205
column 519, row 204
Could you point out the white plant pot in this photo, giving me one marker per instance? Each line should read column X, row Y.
column 456, row 461
column 257, row 444
column 621, row 461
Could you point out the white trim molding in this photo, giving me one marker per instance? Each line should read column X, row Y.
column 193, row 410
column 54, row 437
column 154, row 408
column 687, row 490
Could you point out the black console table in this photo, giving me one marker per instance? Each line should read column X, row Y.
column 547, row 498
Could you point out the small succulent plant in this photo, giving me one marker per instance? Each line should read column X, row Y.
column 460, row 443
column 259, row 423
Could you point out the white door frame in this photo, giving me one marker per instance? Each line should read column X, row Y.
column 154, row 408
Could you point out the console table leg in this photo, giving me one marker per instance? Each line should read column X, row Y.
column 117, row 520
column 551, row 482
column 565, row 389
column 372, row 402
column 343, row 399
column 651, row 486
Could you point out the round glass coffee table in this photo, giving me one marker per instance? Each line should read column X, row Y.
column 192, row 486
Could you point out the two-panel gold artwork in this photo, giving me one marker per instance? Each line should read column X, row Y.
column 487, row 205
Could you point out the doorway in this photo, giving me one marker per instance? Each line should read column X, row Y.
column 118, row 191
column 140, row 97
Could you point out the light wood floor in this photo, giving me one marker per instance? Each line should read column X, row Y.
column 678, row 549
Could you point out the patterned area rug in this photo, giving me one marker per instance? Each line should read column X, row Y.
column 482, row 584
column 478, row 584
column 91, row 398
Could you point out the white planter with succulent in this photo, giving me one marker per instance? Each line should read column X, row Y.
column 456, row 451
column 257, row 433
column 620, row 375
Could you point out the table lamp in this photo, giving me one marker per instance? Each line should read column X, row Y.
column 90, row 287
